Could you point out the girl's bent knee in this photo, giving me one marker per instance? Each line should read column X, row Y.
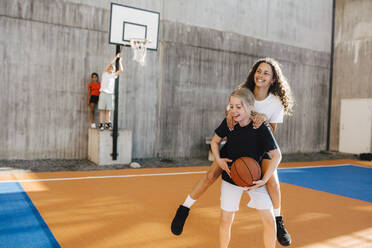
column 211, row 177
column 213, row 173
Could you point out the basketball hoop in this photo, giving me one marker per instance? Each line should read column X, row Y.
column 139, row 47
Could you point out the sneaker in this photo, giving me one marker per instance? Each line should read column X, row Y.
column 93, row 125
column 281, row 233
column 179, row 220
column 108, row 126
column 101, row 127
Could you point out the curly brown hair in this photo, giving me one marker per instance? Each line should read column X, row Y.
column 279, row 88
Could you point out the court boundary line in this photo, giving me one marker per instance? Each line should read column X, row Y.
column 155, row 174
column 320, row 166
column 102, row 177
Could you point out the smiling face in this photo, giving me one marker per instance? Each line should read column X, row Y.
column 264, row 76
column 239, row 112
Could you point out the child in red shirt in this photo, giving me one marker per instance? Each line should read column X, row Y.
column 93, row 97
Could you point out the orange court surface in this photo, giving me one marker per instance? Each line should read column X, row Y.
column 135, row 207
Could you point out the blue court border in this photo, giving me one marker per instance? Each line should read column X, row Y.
column 346, row 180
column 21, row 224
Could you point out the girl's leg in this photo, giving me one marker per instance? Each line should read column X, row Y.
column 226, row 221
column 107, row 119
column 273, row 186
column 101, row 113
column 230, row 200
column 92, row 106
column 206, row 181
column 200, row 187
column 269, row 232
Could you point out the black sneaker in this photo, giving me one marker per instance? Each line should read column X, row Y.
column 101, row 127
column 179, row 219
column 281, row 233
column 108, row 126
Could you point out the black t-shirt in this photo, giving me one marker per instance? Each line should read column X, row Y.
column 245, row 142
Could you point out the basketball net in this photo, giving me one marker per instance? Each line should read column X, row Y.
column 139, row 47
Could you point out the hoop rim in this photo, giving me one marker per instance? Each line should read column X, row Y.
column 142, row 40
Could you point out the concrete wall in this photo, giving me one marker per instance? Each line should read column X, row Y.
column 49, row 49
column 352, row 74
column 196, row 90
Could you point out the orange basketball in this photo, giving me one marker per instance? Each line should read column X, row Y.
column 244, row 171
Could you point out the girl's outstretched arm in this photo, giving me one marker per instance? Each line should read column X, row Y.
column 111, row 62
column 120, row 68
column 215, row 147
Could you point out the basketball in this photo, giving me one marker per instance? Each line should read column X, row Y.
column 244, row 171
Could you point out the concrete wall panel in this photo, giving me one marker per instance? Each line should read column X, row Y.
column 304, row 24
column 197, row 66
column 352, row 74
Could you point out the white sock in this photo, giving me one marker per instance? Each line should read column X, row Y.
column 189, row 201
column 277, row 212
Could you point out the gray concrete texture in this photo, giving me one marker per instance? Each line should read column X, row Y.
column 352, row 74
column 49, row 48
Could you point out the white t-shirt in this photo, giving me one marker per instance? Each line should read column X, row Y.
column 108, row 82
column 272, row 107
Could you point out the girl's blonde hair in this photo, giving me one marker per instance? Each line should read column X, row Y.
column 279, row 88
column 245, row 95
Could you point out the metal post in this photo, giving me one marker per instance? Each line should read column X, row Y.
column 116, row 110
column 331, row 77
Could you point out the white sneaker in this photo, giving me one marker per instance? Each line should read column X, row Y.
column 93, row 125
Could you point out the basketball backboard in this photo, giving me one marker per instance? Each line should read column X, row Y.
column 129, row 22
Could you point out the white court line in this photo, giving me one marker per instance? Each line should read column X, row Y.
column 322, row 166
column 102, row 177
column 151, row 175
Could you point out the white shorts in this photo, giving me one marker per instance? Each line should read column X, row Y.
column 106, row 101
column 231, row 195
